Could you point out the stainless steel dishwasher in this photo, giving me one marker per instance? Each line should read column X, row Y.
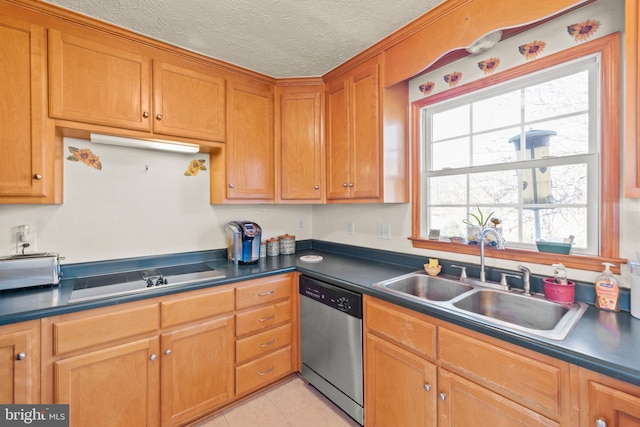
column 331, row 339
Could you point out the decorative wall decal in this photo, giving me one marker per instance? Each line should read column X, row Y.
column 86, row 156
column 453, row 78
column 488, row 66
column 583, row 30
column 427, row 88
column 532, row 50
column 195, row 166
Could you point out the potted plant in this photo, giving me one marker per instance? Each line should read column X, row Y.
column 475, row 226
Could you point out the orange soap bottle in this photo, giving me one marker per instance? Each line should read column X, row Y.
column 607, row 290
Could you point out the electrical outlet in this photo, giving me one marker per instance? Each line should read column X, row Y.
column 384, row 231
column 300, row 223
column 25, row 242
column 351, row 228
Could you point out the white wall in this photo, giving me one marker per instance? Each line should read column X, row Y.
column 124, row 211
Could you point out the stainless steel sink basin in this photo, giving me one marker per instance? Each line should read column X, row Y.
column 425, row 287
column 528, row 315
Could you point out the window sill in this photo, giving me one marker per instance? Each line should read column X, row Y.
column 580, row 262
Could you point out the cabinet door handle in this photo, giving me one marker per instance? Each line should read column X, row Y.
column 442, row 396
column 232, row 185
column 600, row 422
column 427, row 387
column 21, row 356
column 145, row 114
column 264, row 294
column 37, row 176
column 316, row 187
column 272, row 342
column 264, row 319
column 158, row 116
column 153, row 357
column 262, row 373
column 350, row 184
column 168, row 352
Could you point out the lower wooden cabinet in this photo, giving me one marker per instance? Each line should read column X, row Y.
column 20, row 363
column 115, row 386
column 605, row 402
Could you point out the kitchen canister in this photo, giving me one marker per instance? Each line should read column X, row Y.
column 635, row 289
column 273, row 247
column 263, row 249
column 287, row 244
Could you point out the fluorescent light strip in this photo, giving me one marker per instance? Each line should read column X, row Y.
column 98, row 138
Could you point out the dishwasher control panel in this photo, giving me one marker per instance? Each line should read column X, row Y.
column 333, row 296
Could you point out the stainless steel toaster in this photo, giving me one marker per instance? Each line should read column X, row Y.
column 23, row 271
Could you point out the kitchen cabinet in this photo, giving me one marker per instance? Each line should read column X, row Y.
column 606, row 402
column 20, row 363
column 453, row 377
column 265, row 350
column 246, row 165
column 300, row 159
column 353, row 134
column 97, row 80
column 27, row 165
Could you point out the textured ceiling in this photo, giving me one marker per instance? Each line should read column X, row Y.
column 280, row 38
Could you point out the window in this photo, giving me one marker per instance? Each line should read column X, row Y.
column 534, row 146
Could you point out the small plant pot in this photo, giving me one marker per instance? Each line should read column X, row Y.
column 557, row 292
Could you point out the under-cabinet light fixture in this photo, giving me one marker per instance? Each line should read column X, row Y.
column 98, row 138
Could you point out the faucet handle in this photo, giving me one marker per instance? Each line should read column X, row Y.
column 503, row 279
column 463, row 270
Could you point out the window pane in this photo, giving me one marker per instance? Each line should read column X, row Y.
column 494, row 147
column 557, row 97
column 572, row 135
column 448, row 220
column 450, row 123
column 497, row 112
column 448, row 190
column 493, row 188
column 555, row 223
column 450, row 154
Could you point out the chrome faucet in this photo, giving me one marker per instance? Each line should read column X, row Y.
column 526, row 276
column 483, row 234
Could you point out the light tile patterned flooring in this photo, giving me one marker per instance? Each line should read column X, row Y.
column 292, row 403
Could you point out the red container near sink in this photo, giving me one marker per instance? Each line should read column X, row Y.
column 558, row 292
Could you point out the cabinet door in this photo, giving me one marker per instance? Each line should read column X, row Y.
column 19, row 364
column 400, row 386
column 365, row 167
column 117, row 386
column 337, row 136
column 98, row 83
column 612, row 408
column 188, row 103
column 300, row 156
column 250, row 148
column 462, row 403
column 197, row 370
column 23, row 157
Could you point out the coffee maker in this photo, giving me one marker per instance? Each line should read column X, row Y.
column 243, row 242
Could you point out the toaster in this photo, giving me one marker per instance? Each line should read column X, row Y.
column 24, row 271
column 243, row 242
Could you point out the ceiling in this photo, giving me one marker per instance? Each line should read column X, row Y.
column 279, row 38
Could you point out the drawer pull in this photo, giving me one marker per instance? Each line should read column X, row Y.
column 262, row 373
column 153, row 357
column 442, row 396
column 21, row 356
column 168, row 352
column 427, row 387
column 264, row 319
column 264, row 294
column 272, row 342
column 600, row 422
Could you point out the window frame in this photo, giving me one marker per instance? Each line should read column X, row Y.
column 609, row 49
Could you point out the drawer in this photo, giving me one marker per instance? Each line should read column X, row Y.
column 263, row 291
column 197, row 307
column 263, row 371
column 259, row 319
column 401, row 327
column 519, row 377
column 75, row 334
column 263, row 343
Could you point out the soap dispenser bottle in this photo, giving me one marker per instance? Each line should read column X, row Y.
column 607, row 290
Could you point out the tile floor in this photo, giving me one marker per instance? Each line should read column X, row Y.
column 292, row 403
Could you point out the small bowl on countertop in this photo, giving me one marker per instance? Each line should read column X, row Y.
column 432, row 271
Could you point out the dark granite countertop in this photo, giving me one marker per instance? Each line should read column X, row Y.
column 602, row 341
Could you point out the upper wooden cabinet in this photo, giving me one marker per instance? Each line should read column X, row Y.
column 244, row 172
column 27, row 168
column 366, row 138
column 100, row 83
column 299, row 144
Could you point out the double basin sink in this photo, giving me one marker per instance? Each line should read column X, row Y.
column 524, row 314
